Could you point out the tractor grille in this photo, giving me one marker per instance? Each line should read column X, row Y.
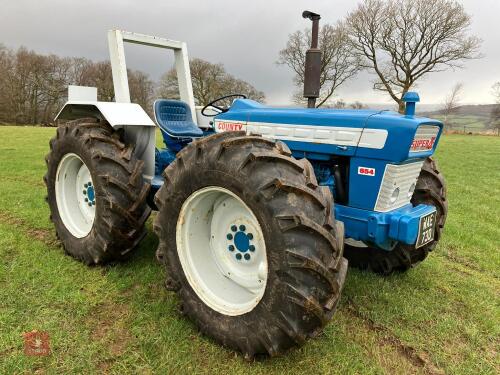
column 402, row 177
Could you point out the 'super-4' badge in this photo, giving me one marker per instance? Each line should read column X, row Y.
column 424, row 144
column 366, row 171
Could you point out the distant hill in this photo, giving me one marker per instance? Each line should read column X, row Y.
column 465, row 118
column 479, row 110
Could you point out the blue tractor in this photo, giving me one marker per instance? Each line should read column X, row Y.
column 253, row 208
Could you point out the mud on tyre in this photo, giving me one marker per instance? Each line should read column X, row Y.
column 231, row 185
column 96, row 193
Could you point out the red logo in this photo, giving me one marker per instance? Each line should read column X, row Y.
column 422, row 144
column 365, row 171
column 229, row 126
column 36, row 343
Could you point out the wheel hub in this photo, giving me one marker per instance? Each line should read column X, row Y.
column 236, row 256
column 75, row 195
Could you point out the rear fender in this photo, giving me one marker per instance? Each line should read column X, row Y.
column 138, row 126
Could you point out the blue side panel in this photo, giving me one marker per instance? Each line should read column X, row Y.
column 363, row 189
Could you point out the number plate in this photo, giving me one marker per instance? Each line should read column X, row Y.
column 426, row 229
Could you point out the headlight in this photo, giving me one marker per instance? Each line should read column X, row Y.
column 395, row 195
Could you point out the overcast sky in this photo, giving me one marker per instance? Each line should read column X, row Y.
column 243, row 35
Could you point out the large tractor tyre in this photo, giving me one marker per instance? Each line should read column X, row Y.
column 430, row 189
column 96, row 192
column 249, row 243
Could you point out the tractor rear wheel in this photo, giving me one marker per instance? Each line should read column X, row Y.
column 430, row 189
column 249, row 243
column 96, row 193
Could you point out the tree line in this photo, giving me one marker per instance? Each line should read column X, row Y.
column 400, row 42
column 33, row 87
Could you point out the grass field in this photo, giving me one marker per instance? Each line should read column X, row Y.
column 441, row 317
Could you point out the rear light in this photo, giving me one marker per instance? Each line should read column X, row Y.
column 425, row 138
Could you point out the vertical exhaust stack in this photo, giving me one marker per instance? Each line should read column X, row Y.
column 312, row 69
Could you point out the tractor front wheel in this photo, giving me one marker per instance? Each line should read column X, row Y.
column 96, row 193
column 249, row 243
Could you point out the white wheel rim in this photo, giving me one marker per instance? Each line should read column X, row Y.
column 75, row 195
column 222, row 250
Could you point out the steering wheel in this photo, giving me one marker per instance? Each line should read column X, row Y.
column 220, row 108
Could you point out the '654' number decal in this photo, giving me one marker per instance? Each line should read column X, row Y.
column 366, row 171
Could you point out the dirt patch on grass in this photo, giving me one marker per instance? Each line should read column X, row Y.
column 109, row 326
column 418, row 359
column 38, row 234
column 108, row 323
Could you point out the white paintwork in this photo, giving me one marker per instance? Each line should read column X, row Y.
column 118, row 66
column 202, row 121
column 139, row 128
column 116, row 114
column 116, row 38
column 227, row 285
column 76, row 214
column 82, row 93
column 401, row 178
column 373, row 138
column 342, row 136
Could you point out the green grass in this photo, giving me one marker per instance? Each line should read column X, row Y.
column 472, row 123
column 441, row 317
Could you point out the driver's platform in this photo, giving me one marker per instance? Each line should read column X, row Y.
column 175, row 119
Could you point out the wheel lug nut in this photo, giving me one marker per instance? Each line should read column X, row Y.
column 234, row 228
column 231, row 248
column 90, row 204
column 229, row 236
column 238, row 256
column 250, row 236
column 242, row 227
column 247, row 256
column 85, row 192
column 85, row 186
column 251, row 248
column 86, row 200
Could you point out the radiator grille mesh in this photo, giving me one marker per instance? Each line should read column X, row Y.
column 402, row 177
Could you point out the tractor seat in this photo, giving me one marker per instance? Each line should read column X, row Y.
column 174, row 118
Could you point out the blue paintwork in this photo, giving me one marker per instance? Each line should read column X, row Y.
column 91, row 193
column 174, row 118
column 241, row 241
column 384, row 229
column 361, row 222
column 410, row 98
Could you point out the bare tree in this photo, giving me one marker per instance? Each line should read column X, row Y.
column 210, row 81
column 357, row 105
column 33, row 87
column 452, row 101
column 338, row 62
column 401, row 41
column 495, row 113
column 496, row 92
